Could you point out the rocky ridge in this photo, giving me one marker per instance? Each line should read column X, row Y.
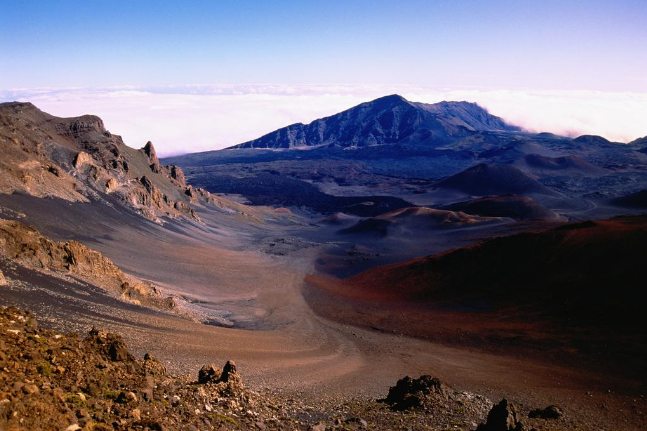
column 78, row 160
column 27, row 247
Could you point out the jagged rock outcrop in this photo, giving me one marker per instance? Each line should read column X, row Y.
column 150, row 152
column 82, row 159
column 78, row 160
column 177, row 174
column 27, row 247
column 111, row 185
column 87, row 123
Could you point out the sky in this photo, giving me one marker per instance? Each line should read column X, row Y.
column 196, row 75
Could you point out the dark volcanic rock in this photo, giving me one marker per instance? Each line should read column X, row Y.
column 229, row 372
column 209, row 373
column 550, row 412
column 111, row 346
column 503, row 417
column 411, row 393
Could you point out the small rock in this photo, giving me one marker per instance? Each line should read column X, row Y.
column 131, row 397
column 73, row 427
column 136, row 414
column 318, row 427
column 118, row 351
column 147, row 394
column 30, row 389
column 3, row 280
column 260, row 425
column 361, row 422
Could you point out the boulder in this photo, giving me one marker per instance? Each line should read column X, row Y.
column 209, row 373
column 118, row 351
column 503, row 417
column 229, row 372
column 111, row 346
column 550, row 412
column 411, row 393
column 153, row 367
column 111, row 185
column 82, row 159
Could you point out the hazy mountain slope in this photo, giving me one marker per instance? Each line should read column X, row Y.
column 386, row 120
column 420, row 145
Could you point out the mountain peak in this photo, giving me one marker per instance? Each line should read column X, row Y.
column 391, row 98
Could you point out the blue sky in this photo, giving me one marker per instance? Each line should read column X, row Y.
column 196, row 75
column 591, row 45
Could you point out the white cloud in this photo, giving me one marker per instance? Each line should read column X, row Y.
column 199, row 118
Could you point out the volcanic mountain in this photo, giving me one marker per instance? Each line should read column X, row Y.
column 414, row 219
column 513, row 206
column 485, row 179
column 387, row 120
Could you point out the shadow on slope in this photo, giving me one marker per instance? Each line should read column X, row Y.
column 574, row 294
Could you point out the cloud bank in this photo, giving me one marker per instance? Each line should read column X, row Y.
column 183, row 119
